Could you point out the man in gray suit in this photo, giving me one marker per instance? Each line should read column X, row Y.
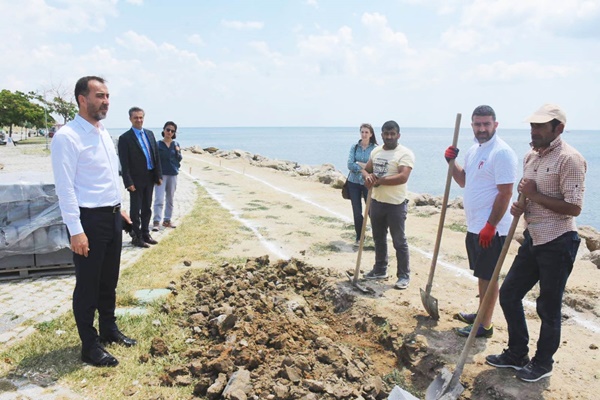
column 140, row 165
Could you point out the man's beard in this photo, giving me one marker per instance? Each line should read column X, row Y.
column 100, row 114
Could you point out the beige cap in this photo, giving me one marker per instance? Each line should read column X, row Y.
column 547, row 113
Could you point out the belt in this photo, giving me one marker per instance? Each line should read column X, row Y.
column 110, row 209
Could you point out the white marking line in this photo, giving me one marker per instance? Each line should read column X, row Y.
column 574, row 315
column 297, row 196
column 459, row 271
column 270, row 246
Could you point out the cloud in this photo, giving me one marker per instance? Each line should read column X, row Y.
column 463, row 40
column 140, row 44
column 540, row 16
column 196, row 39
column 530, row 70
column 327, row 53
column 70, row 16
column 325, row 43
column 240, row 25
column 378, row 24
column 263, row 49
column 136, row 42
column 312, row 3
column 136, row 2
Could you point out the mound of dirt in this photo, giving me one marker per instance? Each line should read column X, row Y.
column 284, row 331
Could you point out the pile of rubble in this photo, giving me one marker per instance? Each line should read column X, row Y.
column 280, row 331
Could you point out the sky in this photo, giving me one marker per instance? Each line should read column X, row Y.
column 236, row 63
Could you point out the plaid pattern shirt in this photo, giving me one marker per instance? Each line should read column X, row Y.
column 559, row 172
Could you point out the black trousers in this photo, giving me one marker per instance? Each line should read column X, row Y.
column 96, row 275
column 140, row 205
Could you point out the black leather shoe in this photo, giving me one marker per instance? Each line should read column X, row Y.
column 138, row 242
column 119, row 338
column 98, row 357
column 148, row 239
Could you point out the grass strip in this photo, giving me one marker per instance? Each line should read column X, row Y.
column 52, row 354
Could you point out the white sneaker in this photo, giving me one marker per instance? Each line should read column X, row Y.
column 402, row 283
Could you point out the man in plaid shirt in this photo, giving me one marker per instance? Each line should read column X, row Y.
column 553, row 184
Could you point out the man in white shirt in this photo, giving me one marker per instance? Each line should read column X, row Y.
column 86, row 174
column 488, row 177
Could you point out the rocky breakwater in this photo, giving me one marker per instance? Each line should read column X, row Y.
column 325, row 173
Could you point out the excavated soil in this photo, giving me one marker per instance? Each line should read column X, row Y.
column 283, row 331
column 296, row 218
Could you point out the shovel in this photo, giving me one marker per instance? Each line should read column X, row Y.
column 446, row 386
column 429, row 302
column 354, row 279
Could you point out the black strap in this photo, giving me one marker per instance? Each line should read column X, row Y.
column 355, row 147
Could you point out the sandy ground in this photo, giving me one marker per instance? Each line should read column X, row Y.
column 295, row 217
column 310, row 221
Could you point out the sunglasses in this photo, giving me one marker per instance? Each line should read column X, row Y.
column 170, row 130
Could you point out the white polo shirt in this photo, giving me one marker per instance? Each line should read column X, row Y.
column 487, row 165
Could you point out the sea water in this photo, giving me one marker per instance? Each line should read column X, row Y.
column 320, row 145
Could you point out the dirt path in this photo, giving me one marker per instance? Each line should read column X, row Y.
column 295, row 217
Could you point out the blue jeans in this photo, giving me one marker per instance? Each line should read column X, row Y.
column 358, row 193
column 550, row 264
column 392, row 216
column 163, row 192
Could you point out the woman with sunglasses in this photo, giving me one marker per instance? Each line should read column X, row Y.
column 169, row 152
column 357, row 159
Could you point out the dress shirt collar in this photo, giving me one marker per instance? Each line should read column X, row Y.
column 137, row 131
column 87, row 127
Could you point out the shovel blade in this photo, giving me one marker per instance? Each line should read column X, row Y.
column 398, row 393
column 431, row 304
column 440, row 388
column 356, row 285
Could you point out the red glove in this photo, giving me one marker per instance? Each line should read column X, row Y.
column 486, row 235
column 451, row 153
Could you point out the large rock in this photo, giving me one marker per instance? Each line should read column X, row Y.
column 238, row 386
column 196, row 150
column 214, row 391
column 591, row 237
column 329, row 177
column 595, row 258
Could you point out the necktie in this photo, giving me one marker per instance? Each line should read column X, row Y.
column 146, row 148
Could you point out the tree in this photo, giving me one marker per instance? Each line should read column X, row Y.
column 62, row 103
column 16, row 109
column 66, row 109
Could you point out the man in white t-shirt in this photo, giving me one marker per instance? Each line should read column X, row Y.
column 386, row 173
column 488, row 177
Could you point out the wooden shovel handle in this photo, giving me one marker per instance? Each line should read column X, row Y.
column 362, row 237
column 487, row 297
column 438, row 239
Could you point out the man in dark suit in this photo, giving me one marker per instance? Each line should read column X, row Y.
column 140, row 166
